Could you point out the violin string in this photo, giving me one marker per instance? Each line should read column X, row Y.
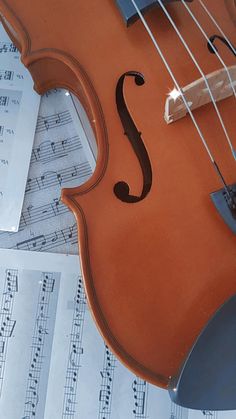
column 211, row 44
column 202, row 74
column 177, row 86
column 217, row 25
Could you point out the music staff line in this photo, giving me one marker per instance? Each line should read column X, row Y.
column 75, row 352
column 45, row 123
column 48, row 150
column 33, row 215
column 53, row 178
column 140, row 389
column 105, row 393
column 44, row 242
column 39, row 337
column 178, row 412
column 7, row 324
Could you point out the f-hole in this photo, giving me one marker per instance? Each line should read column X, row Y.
column 222, row 39
column 122, row 189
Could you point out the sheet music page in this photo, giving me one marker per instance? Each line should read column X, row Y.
column 19, row 105
column 53, row 362
column 61, row 157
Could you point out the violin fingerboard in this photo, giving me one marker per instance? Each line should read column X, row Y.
column 129, row 12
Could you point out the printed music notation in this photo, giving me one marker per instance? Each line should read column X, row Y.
column 140, row 389
column 37, row 214
column 209, row 414
column 15, row 75
column 54, row 178
column 17, row 99
column 53, row 362
column 6, row 47
column 7, row 323
column 55, row 120
column 33, row 215
column 44, row 242
column 59, row 157
column 178, row 412
column 28, row 315
column 105, row 393
column 40, row 335
column 52, row 150
column 75, row 352
column 6, row 75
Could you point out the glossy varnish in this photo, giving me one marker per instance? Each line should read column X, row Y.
column 155, row 271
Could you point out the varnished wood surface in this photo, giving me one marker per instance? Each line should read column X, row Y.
column 157, row 270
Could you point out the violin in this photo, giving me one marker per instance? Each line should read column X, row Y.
column 157, row 219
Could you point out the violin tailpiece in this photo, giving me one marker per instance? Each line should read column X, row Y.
column 225, row 204
column 197, row 93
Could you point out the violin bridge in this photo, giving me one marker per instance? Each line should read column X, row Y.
column 197, row 93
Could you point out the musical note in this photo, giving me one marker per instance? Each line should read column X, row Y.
column 75, row 352
column 44, row 219
column 58, row 119
column 34, row 215
column 46, row 124
column 36, row 243
column 60, row 360
column 2, row 347
column 51, row 121
column 208, row 414
column 107, row 374
column 53, row 178
column 39, row 340
column 45, row 242
column 140, row 389
column 7, row 324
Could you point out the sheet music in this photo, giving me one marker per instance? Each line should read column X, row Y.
column 61, row 157
column 19, row 105
column 53, row 362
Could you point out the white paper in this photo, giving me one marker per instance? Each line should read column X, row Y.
column 61, row 157
column 19, row 105
column 53, row 362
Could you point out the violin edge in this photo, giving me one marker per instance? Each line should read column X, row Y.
column 35, row 61
column 22, row 40
column 95, row 309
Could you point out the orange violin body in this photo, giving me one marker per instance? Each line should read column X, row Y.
column 155, row 270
